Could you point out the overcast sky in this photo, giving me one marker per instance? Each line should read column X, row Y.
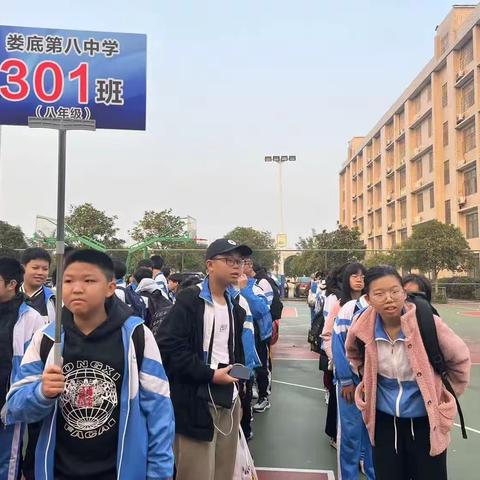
column 228, row 82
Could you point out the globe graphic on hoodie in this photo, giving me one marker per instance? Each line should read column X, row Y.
column 89, row 398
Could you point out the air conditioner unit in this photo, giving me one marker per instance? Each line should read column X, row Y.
column 461, row 201
column 460, row 74
column 460, row 118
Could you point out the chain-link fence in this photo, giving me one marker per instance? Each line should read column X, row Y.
column 297, row 265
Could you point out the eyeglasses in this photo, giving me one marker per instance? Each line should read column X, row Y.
column 396, row 294
column 248, row 262
column 231, row 261
column 358, row 276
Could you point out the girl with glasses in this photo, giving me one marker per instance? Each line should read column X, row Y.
column 407, row 410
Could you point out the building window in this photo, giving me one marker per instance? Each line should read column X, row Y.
column 470, row 181
column 429, row 92
column 429, row 127
column 466, row 55
column 468, row 97
column 430, row 162
column 378, row 219
column 444, row 95
column 403, row 235
column 445, row 134
column 401, row 150
column 417, row 104
column 420, row 202
column 379, row 243
column 471, row 221
column 446, row 172
column 432, row 198
column 417, row 136
column 403, row 178
column 403, row 209
column 419, row 168
column 469, row 142
column 391, row 213
column 448, row 212
column 443, row 44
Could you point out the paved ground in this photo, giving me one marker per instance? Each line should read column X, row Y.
column 289, row 441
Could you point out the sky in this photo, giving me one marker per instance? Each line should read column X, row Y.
column 228, row 82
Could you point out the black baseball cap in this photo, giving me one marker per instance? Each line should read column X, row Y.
column 222, row 246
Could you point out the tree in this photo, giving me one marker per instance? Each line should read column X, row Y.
column 435, row 246
column 337, row 247
column 158, row 224
column 87, row 221
column 383, row 258
column 11, row 236
column 262, row 244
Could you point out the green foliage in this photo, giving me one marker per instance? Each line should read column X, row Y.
column 435, row 246
column 86, row 220
column 158, row 224
column 11, row 236
column 262, row 244
column 339, row 246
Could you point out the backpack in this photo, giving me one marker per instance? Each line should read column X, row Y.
column 276, row 307
column 158, row 308
column 315, row 340
column 428, row 331
column 134, row 301
column 138, row 338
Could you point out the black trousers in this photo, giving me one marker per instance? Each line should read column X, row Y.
column 246, row 401
column 331, row 420
column 411, row 460
column 263, row 373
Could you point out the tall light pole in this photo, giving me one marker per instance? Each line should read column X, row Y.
column 282, row 236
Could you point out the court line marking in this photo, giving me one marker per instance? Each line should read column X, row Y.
column 468, row 428
column 329, row 473
column 300, row 386
column 323, row 390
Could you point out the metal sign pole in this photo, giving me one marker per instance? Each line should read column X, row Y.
column 62, row 126
column 60, row 252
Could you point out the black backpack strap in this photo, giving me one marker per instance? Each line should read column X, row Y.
column 428, row 331
column 138, row 338
column 45, row 346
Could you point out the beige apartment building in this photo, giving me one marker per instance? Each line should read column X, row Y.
column 420, row 162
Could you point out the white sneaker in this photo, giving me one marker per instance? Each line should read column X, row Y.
column 327, row 397
column 254, row 391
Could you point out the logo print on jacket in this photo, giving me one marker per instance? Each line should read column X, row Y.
column 89, row 399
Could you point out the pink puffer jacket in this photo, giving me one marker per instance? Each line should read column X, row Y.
column 439, row 403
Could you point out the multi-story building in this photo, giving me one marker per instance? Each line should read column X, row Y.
column 420, row 161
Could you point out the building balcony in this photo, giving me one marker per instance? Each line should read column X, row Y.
column 419, row 117
column 463, row 76
column 420, row 150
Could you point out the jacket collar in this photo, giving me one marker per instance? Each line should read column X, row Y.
column 205, row 294
column 365, row 326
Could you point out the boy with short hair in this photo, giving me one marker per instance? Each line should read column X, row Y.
column 158, row 274
column 36, row 262
column 106, row 413
column 18, row 323
column 201, row 339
